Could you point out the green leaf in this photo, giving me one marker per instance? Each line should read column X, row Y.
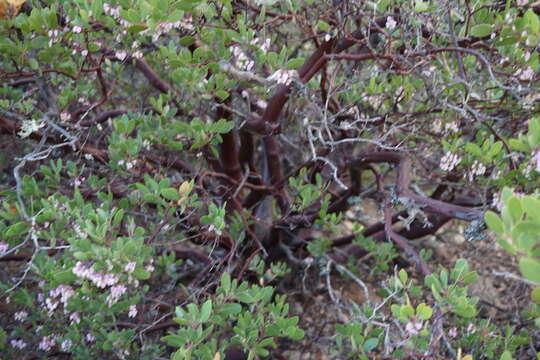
column 297, row 334
column 531, row 206
column 141, row 274
column 507, row 355
column 423, row 311
column 16, row 229
column 495, row 149
column 482, row 30
column 206, row 311
column 230, row 309
column 226, row 282
column 530, row 269
column 93, row 47
column 246, row 298
column 267, row 342
column 403, row 277
column 407, row 311
column 494, row 222
column 174, row 340
column 466, row 311
column 323, row 26
column 371, row 344
column 65, row 276
column 535, row 295
column 532, row 19
column 420, row 6
column 515, row 209
column 222, row 94
column 117, row 219
column 470, row 277
column 518, row 145
column 534, row 132
column 170, row 194
column 294, row 63
column 473, row 149
column 34, row 65
column 506, row 245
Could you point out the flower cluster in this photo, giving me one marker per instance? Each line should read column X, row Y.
column 101, row 280
column 264, row 45
column 62, row 291
column 66, row 345
column 449, row 161
column 47, row 342
column 132, row 311
column 18, row 344
column 128, row 164
column 130, row 267
column 54, row 36
column 478, row 169
column 283, row 76
column 242, row 60
column 115, row 293
column 114, row 12
column 165, row 27
column 414, row 327
column 20, row 315
column 74, row 318
column 121, row 55
column 390, row 23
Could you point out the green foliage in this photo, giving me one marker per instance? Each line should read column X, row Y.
column 113, row 223
column 518, row 232
column 256, row 322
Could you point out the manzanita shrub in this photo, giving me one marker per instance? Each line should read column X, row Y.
column 170, row 168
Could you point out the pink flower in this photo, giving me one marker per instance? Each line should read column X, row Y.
column 51, row 305
column 526, row 74
column 3, row 248
column 18, row 343
column 149, row 268
column 130, row 267
column 390, row 23
column 414, row 327
column 121, row 55
column 449, row 161
column 66, row 345
column 47, row 342
column 81, row 270
column 115, row 293
column 132, row 311
column 74, row 317
column 20, row 316
column 283, row 76
column 64, row 291
column 90, row 338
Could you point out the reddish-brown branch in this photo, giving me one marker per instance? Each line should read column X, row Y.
column 230, row 160
column 151, row 76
